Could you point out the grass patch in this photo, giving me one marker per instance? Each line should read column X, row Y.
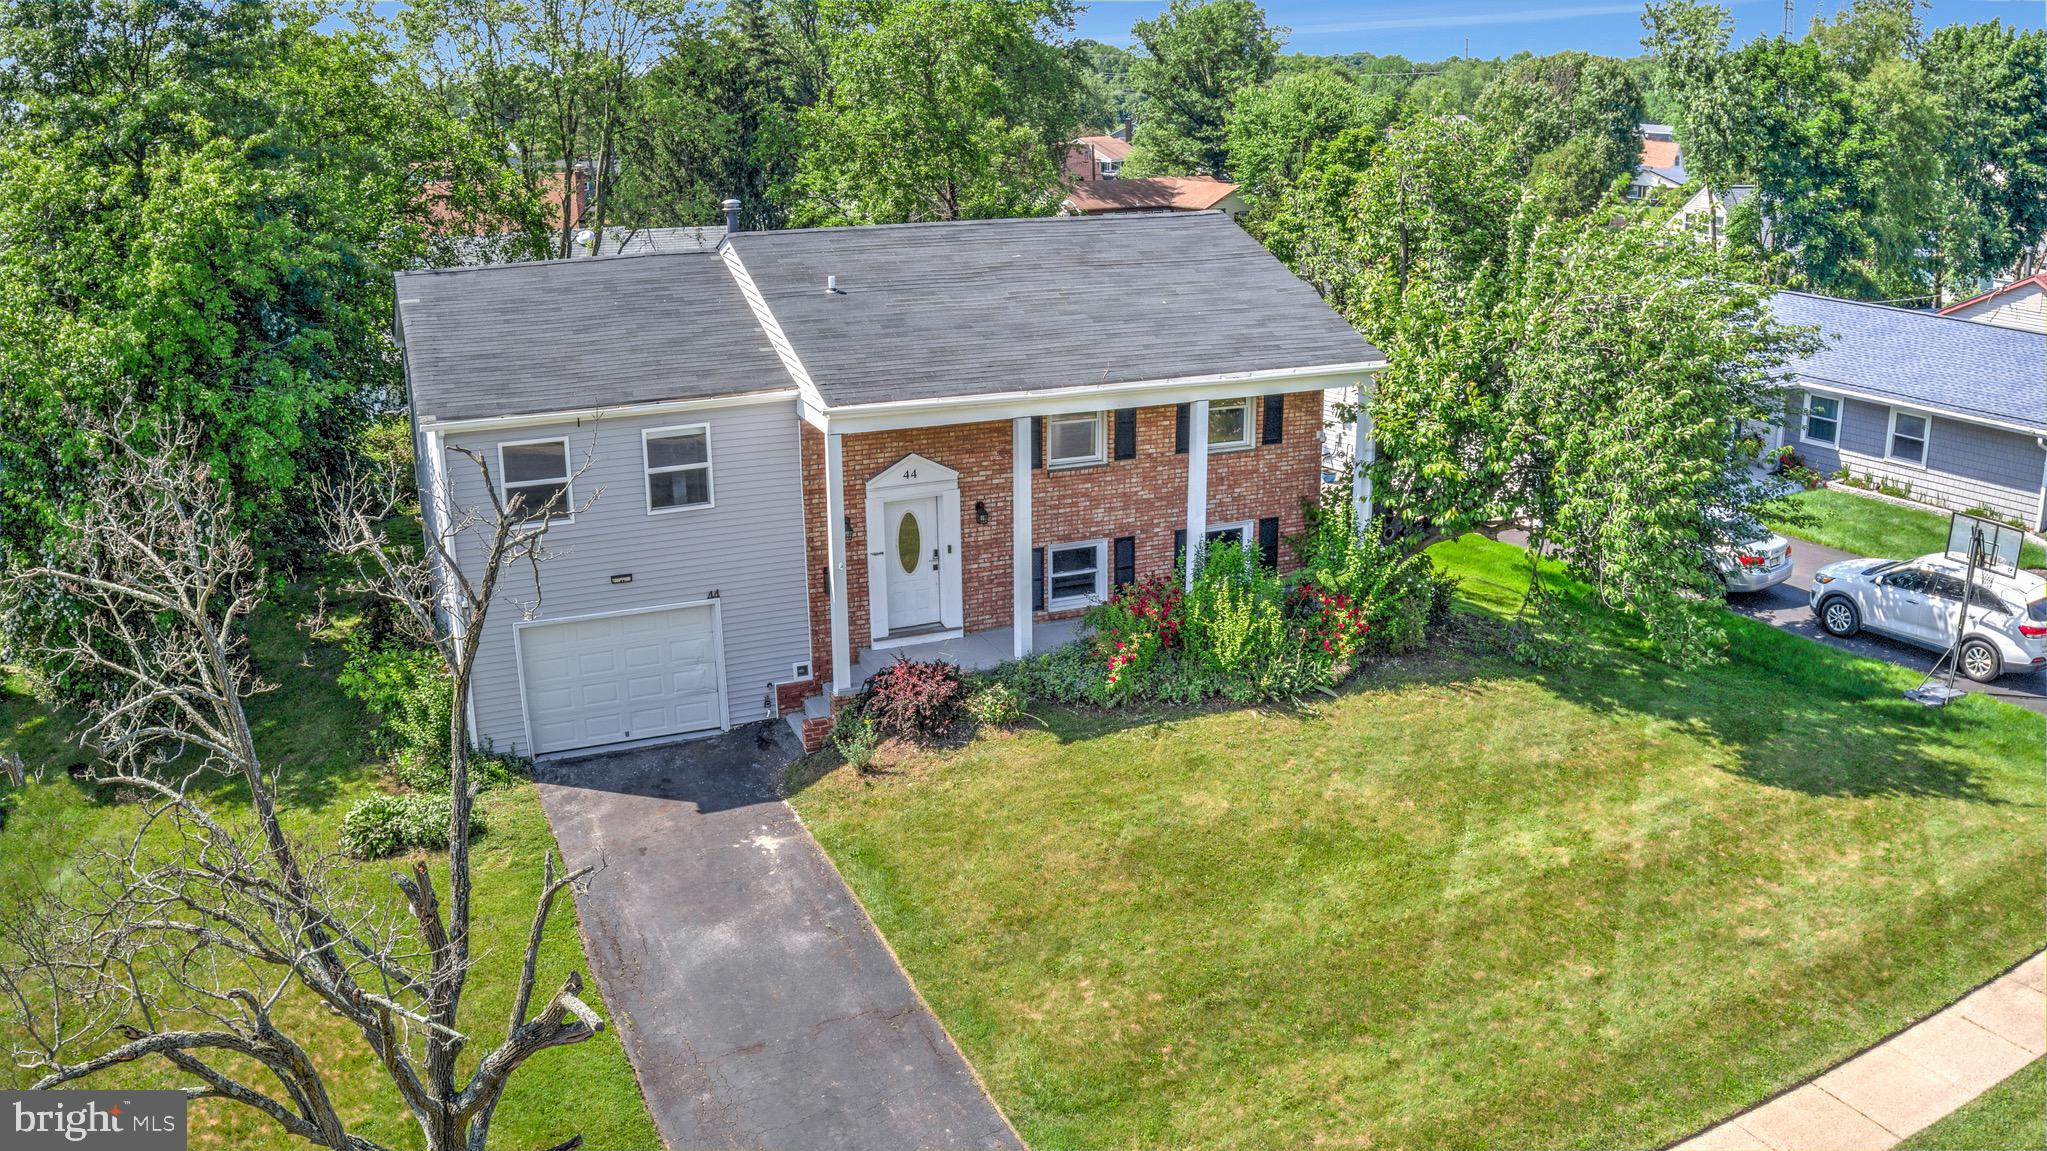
column 317, row 738
column 1873, row 527
column 1470, row 903
column 2011, row 1116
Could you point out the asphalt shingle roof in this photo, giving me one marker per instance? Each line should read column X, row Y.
column 563, row 335
column 1923, row 359
column 926, row 311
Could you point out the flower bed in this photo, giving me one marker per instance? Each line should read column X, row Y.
column 1242, row 631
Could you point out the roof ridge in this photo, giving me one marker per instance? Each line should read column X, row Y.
column 1065, row 221
column 573, row 260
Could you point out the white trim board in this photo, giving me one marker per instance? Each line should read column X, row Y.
column 1820, row 384
column 624, row 411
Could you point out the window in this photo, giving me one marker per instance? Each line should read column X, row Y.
column 1822, row 419
column 534, row 472
column 1908, row 437
column 1074, row 440
column 678, row 468
column 1239, row 534
column 1229, row 425
column 1077, row 572
column 1908, row 579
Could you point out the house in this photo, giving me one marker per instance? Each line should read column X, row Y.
column 796, row 455
column 1953, row 412
column 2021, row 304
column 1661, row 165
column 1705, row 212
column 1093, row 158
column 1154, row 194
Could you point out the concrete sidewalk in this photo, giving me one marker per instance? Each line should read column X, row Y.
column 1908, row 1081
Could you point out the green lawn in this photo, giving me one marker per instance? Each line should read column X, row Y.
column 318, row 738
column 1872, row 527
column 1470, row 903
column 2011, row 1116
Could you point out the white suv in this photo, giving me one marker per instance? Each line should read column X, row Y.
column 1918, row 601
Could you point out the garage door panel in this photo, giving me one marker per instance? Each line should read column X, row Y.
column 637, row 676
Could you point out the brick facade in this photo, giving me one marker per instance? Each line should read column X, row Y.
column 1144, row 497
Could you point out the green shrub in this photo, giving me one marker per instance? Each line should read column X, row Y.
column 1236, row 618
column 1401, row 593
column 1066, row 674
column 407, row 690
column 384, row 825
column 855, row 736
column 995, row 705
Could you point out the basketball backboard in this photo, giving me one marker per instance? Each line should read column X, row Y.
column 1999, row 543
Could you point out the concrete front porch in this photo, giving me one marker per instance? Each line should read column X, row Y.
column 974, row 651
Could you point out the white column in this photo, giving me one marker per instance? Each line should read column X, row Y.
column 1197, row 482
column 1367, row 451
column 2040, row 524
column 835, row 551
column 1021, row 430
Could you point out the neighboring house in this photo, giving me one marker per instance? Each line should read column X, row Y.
column 1954, row 411
column 1705, row 212
column 1661, row 166
column 2021, row 304
column 1154, row 194
column 1093, row 158
column 809, row 450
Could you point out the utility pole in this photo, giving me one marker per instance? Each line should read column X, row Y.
column 1788, row 4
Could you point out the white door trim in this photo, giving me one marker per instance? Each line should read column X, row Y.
column 717, row 645
column 912, row 477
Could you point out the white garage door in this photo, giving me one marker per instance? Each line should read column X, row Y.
column 621, row 677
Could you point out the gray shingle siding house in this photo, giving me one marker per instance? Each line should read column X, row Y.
column 1954, row 411
column 798, row 449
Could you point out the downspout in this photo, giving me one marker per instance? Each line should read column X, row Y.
column 2040, row 521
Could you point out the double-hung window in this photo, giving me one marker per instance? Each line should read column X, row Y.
column 1822, row 419
column 1075, row 440
column 1229, row 425
column 1908, row 437
column 678, row 468
column 533, row 472
column 1079, row 575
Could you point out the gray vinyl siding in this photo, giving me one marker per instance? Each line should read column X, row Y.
column 748, row 548
column 1967, row 464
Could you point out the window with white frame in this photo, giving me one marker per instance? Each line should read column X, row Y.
column 1075, row 440
column 1822, row 419
column 1908, row 437
column 533, row 472
column 1079, row 575
column 678, row 467
column 1229, row 425
column 1239, row 534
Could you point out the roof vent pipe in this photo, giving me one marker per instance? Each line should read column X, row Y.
column 731, row 207
column 831, row 283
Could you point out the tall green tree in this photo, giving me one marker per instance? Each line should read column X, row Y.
column 1584, row 380
column 716, row 117
column 1993, row 147
column 1194, row 58
column 1542, row 102
column 1272, row 127
column 939, row 111
column 200, row 209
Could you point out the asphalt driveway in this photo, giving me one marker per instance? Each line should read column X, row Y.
column 759, row 1006
column 1785, row 606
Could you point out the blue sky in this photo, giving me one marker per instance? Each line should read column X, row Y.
column 1433, row 29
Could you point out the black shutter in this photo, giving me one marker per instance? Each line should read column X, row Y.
column 1268, row 542
column 1126, row 433
column 1037, row 579
column 1180, row 430
column 1179, row 550
column 1275, row 418
column 1126, row 560
column 1037, row 441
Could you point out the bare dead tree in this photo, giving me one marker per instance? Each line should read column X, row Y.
column 181, row 944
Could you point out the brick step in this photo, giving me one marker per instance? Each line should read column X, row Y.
column 813, row 724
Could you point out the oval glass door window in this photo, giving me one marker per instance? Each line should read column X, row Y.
column 909, row 542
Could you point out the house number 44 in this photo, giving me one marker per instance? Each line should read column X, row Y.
column 911, row 474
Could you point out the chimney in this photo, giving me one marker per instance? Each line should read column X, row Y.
column 1123, row 133
column 731, row 215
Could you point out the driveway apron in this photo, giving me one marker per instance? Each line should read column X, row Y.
column 758, row 1004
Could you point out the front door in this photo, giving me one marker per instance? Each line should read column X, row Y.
column 911, row 562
